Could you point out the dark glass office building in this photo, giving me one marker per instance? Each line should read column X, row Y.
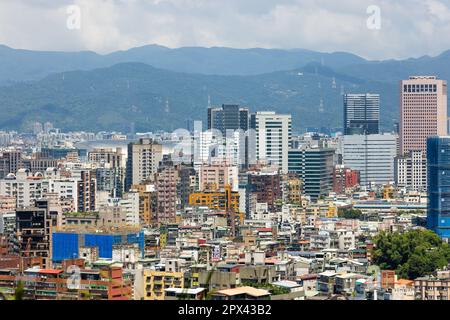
column 228, row 117
column 361, row 114
column 438, row 162
column 315, row 167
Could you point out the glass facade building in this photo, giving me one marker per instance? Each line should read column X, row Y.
column 315, row 168
column 228, row 117
column 361, row 114
column 438, row 162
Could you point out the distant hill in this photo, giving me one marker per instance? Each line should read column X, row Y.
column 112, row 98
column 19, row 65
column 85, row 90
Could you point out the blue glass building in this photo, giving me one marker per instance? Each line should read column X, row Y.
column 65, row 245
column 438, row 163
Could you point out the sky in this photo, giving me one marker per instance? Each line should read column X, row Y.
column 373, row 29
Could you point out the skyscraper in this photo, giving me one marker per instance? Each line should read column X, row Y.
column 438, row 160
column 361, row 113
column 142, row 162
column 315, row 167
column 423, row 112
column 228, row 117
column 273, row 137
column 372, row 155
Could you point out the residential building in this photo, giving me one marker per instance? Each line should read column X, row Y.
column 411, row 171
column 142, row 162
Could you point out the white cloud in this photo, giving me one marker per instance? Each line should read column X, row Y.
column 409, row 28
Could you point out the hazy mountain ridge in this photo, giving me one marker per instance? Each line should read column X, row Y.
column 109, row 92
column 112, row 98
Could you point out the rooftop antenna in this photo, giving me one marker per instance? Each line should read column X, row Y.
column 333, row 84
column 209, row 101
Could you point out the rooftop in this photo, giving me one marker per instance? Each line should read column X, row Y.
column 244, row 290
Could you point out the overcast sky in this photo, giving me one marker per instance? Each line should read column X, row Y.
column 409, row 28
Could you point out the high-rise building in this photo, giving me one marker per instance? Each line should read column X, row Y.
column 166, row 189
column 110, row 180
column 315, row 167
column 33, row 233
column 372, row 155
column 10, row 162
column 423, row 112
column 142, row 162
column 228, row 117
column 273, row 138
column 187, row 182
column 438, row 160
column 87, row 188
column 361, row 113
column 411, row 171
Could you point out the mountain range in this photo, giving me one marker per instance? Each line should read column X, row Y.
column 155, row 87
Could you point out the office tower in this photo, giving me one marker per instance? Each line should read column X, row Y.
column 315, row 167
column 273, row 138
column 87, row 187
column 142, row 162
column 423, row 112
column 411, row 171
column 228, row 117
column 371, row 155
column 33, row 233
column 361, row 113
column 438, row 160
column 438, row 163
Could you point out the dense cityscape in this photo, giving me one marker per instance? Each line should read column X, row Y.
column 239, row 208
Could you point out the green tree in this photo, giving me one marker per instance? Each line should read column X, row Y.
column 19, row 291
column 412, row 254
column 350, row 213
